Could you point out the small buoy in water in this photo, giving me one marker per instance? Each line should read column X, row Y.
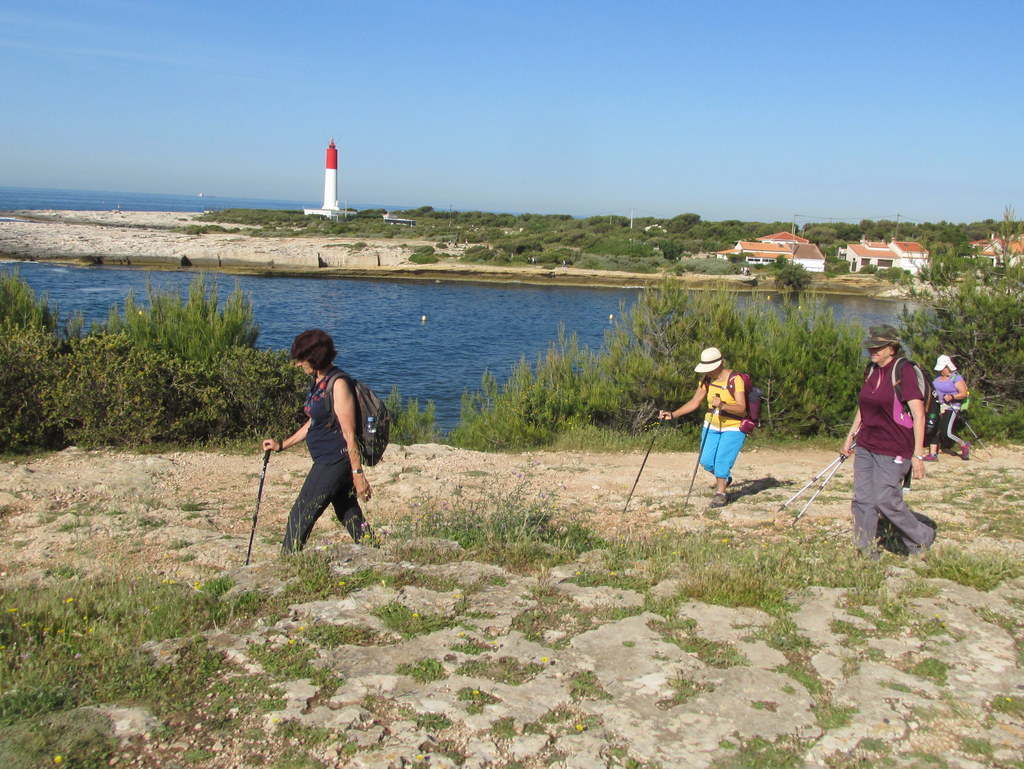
column 423, row 319
column 611, row 318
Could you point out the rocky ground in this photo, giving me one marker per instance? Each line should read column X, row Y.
column 550, row 668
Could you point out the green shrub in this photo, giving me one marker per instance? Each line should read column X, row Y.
column 895, row 275
column 707, row 266
column 20, row 308
column 979, row 321
column 625, row 263
column 807, row 363
column 113, row 393
column 423, row 258
column 30, row 362
column 790, row 275
column 194, row 328
column 409, row 425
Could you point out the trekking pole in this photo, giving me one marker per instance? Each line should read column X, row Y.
column 838, row 463
column 809, row 483
column 976, row 436
column 256, row 512
column 651, row 446
column 703, row 438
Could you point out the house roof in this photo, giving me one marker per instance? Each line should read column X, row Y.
column 910, row 248
column 783, row 237
column 758, row 246
column 997, row 246
column 807, row 251
column 860, row 249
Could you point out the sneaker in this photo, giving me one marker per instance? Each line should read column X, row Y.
column 931, row 458
column 719, row 500
column 965, row 450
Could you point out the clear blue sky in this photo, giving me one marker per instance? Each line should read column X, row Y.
column 741, row 109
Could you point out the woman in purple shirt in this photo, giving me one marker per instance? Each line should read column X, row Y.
column 885, row 447
column 951, row 391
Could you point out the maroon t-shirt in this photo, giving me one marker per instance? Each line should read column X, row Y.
column 879, row 432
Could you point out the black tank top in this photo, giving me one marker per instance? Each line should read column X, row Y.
column 325, row 441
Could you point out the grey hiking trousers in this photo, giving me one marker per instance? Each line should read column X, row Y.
column 878, row 490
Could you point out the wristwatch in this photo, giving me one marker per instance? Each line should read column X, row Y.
column 357, row 471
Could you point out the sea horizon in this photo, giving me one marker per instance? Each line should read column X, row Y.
column 14, row 198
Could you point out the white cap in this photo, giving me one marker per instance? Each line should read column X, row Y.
column 944, row 361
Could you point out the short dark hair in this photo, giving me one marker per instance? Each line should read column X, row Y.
column 315, row 347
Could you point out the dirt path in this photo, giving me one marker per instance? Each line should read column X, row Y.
column 188, row 514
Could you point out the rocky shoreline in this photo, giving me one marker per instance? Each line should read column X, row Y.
column 149, row 240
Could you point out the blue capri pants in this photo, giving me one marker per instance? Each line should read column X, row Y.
column 720, row 450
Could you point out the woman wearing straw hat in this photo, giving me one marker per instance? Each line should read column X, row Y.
column 886, row 446
column 951, row 391
column 721, row 438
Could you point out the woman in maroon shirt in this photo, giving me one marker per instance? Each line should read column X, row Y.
column 886, row 449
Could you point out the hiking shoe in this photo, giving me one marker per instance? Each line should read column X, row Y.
column 931, row 458
column 965, row 450
column 719, row 500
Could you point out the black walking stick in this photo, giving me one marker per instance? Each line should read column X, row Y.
column 703, row 438
column 653, row 438
column 256, row 512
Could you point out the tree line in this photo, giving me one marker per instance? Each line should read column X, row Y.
column 643, row 244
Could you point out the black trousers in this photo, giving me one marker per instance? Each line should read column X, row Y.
column 326, row 484
column 943, row 435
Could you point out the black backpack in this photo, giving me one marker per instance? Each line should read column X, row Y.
column 372, row 442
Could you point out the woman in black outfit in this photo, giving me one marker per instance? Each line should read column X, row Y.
column 336, row 477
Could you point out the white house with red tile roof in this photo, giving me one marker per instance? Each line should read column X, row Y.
column 769, row 248
column 998, row 251
column 913, row 256
column 905, row 254
column 783, row 237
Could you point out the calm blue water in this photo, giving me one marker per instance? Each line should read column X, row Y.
column 34, row 199
column 376, row 325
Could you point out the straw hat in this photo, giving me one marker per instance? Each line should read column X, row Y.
column 710, row 359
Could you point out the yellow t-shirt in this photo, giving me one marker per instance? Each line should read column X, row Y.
column 724, row 421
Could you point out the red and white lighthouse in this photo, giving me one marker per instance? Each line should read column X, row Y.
column 331, row 179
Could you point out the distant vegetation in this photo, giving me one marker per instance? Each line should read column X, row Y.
column 643, row 244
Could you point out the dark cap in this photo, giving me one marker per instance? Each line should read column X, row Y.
column 880, row 336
